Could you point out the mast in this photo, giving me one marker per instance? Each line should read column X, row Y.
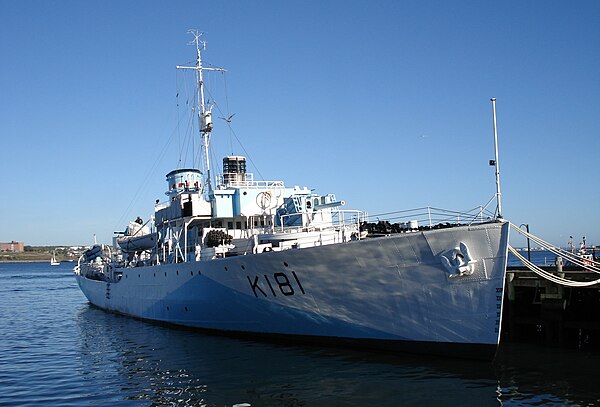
column 204, row 110
column 496, row 163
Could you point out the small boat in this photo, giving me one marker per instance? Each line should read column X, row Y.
column 256, row 258
column 137, row 237
column 580, row 257
column 53, row 261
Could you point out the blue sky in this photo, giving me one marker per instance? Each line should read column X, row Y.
column 384, row 103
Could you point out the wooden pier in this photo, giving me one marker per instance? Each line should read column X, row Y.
column 537, row 310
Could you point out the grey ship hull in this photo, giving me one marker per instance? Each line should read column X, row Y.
column 392, row 291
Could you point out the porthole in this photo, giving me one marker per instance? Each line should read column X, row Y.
column 285, row 264
column 154, row 274
column 192, row 273
column 177, row 271
column 139, row 276
column 243, row 268
column 226, row 269
column 167, row 308
column 165, row 273
column 186, row 309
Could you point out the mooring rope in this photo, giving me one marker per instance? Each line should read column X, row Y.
column 549, row 276
column 588, row 264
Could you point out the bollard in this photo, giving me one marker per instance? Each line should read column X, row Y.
column 559, row 267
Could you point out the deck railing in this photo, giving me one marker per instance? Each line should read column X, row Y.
column 249, row 182
column 431, row 216
column 339, row 218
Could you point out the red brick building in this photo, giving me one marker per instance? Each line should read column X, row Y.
column 12, row 247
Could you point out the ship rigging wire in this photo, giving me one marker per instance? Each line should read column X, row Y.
column 184, row 89
column 153, row 169
column 183, row 93
column 232, row 131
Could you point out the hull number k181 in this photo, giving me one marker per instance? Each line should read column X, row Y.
column 276, row 284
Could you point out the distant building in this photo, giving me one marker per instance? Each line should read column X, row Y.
column 12, row 247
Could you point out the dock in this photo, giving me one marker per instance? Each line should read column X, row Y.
column 539, row 311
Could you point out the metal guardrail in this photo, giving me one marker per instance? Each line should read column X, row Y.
column 249, row 182
column 340, row 218
column 430, row 216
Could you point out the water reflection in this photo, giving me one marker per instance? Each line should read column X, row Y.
column 535, row 375
column 58, row 350
column 135, row 361
column 143, row 361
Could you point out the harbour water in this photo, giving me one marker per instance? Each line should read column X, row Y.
column 539, row 257
column 56, row 349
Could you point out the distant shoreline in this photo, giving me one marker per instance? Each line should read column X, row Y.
column 35, row 261
column 32, row 257
column 42, row 254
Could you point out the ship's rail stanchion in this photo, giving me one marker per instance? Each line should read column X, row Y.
column 424, row 218
column 347, row 222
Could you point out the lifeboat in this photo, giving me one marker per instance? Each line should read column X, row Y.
column 137, row 238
